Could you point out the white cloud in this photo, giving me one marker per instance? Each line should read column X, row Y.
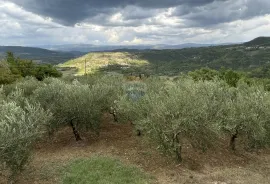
column 113, row 36
column 116, row 18
column 135, row 41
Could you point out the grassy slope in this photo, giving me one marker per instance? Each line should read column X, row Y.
column 96, row 61
column 173, row 62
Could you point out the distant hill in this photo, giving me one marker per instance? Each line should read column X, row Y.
column 174, row 61
column 260, row 41
column 99, row 48
column 38, row 54
column 169, row 59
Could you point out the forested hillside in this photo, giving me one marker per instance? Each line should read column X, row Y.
column 260, row 41
column 243, row 57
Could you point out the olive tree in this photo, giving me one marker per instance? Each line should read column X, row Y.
column 20, row 128
column 78, row 105
column 27, row 85
column 2, row 95
column 200, row 113
column 179, row 112
column 246, row 114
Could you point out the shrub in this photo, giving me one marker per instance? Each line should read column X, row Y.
column 19, row 129
column 204, row 74
column 43, row 71
column 229, row 76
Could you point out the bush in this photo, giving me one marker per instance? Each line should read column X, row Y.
column 229, row 76
column 19, row 130
column 204, row 74
column 43, row 71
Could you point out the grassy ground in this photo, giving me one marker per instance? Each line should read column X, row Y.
column 102, row 170
column 53, row 158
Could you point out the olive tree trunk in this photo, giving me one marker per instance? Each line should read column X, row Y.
column 233, row 140
column 75, row 131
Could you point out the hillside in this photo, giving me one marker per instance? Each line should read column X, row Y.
column 105, row 61
column 174, row 61
column 260, row 41
column 38, row 54
column 159, row 59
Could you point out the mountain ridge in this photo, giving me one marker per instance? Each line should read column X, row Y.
column 98, row 48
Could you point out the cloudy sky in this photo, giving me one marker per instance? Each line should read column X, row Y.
column 119, row 22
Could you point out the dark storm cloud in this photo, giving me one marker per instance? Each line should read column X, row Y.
column 132, row 21
column 224, row 12
column 70, row 12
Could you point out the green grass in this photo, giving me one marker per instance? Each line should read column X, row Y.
column 102, row 170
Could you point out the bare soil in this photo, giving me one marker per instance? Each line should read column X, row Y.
column 216, row 166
